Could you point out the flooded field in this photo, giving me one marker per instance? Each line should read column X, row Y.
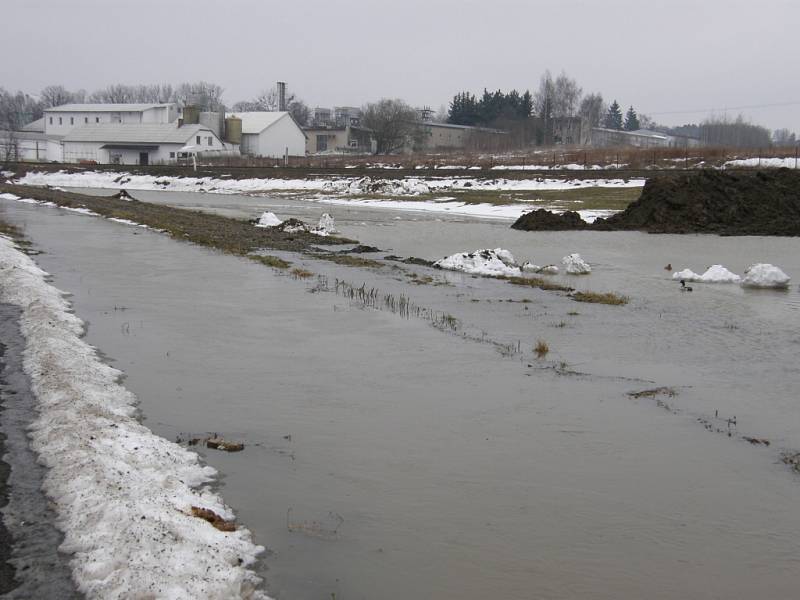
column 386, row 458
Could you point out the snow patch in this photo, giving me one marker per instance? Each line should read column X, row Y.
column 765, row 275
column 268, row 219
column 122, row 495
column 786, row 163
column 714, row 274
column 482, row 262
column 325, row 226
column 545, row 270
column 575, row 265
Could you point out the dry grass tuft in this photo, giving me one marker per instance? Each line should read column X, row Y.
column 538, row 282
column 541, row 349
column 298, row 273
column 597, row 298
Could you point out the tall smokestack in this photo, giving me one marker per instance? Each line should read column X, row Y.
column 282, row 95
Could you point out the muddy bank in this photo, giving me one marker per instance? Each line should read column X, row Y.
column 759, row 203
column 224, row 233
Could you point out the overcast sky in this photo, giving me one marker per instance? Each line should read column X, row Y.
column 660, row 56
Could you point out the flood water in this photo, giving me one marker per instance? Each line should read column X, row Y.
column 388, row 459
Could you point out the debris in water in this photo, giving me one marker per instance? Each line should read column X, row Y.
column 209, row 515
column 217, row 443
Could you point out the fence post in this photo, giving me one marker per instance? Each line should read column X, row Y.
column 795, row 156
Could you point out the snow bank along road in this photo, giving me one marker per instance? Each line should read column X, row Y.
column 123, row 496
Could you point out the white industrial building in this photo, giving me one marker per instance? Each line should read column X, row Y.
column 270, row 134
column 138, row 144
column 60, row 120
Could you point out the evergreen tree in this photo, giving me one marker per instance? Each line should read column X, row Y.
column 463, row 110
column 631, row 120
column 613, row 117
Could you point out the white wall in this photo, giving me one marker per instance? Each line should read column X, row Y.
column 54, row 151
column 70, row 120
column 18, row 147
column 164, row 153
column 273, row 141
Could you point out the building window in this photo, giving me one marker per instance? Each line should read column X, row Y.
column 197, row 140
column 172, row 155
column 97, row 119
column 210, row 140
column 322, row 143
column 85, row 120
column 72, row 120
column 60, row 121
column 51, row 120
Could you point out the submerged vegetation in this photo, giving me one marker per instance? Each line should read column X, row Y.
column 271, row 261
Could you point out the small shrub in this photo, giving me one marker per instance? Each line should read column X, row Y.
column 301, row 273
column 541, row 349
column 597, row 298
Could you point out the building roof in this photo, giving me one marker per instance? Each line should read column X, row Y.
column 37, row 125
column 24, row 135
column 256, row 122
column 104, row 107
column 155, row 133
column 461, row 127
column 637, row 133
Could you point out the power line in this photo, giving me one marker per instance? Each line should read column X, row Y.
column 712, row 110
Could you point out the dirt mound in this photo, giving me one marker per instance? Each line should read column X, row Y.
column 544, row 220
column 725, row 203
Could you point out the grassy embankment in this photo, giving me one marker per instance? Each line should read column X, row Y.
column 233, row 236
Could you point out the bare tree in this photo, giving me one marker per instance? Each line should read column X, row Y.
column 592, row 109
column 205, row 94
column 566, row 96
column 783, row 137
column 55, row 95
column 300, row 111
column 393, row 122
column 739, row 133
column 544, row 98
column 17, row 110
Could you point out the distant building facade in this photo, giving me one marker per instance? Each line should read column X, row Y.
column 445, row 136
column 641, row 138
column 339, row 140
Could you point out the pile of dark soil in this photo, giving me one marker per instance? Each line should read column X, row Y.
column 544, row 220
column 725, row 203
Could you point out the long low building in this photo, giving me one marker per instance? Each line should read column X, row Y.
column 139, row 144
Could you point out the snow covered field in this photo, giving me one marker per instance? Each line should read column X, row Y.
column 123, row 496
column 348, row 191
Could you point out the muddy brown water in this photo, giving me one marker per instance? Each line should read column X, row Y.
column 387, row 459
